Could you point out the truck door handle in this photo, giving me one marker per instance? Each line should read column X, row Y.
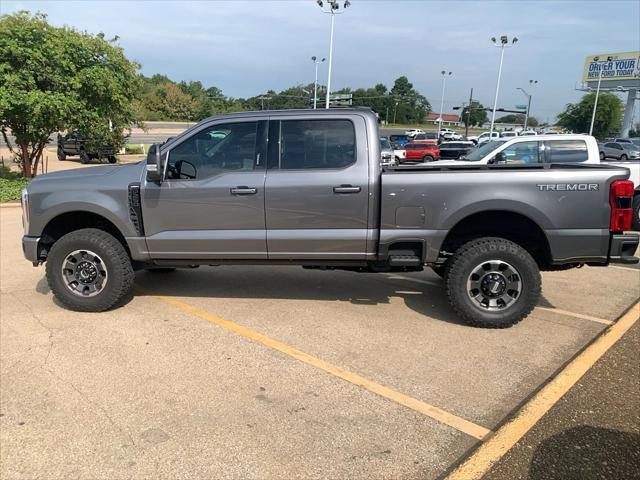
column 346, row 189
column 242, row 190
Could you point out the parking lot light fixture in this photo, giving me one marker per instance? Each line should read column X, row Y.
column 444, row 74
column 595, row 102
column 502, row 44
column 315, row 83
column 528, row 95
column 333, row 9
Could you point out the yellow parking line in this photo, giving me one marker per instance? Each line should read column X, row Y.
column 576, row 315
column 431, row 411
column 478, row 464
column 625, row 268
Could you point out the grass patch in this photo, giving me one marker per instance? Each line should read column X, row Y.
column 136, row 149
column 11, row 184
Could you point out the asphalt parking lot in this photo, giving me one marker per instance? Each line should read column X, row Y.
column 272, row 372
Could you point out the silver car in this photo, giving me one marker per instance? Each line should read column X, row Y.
column 619, row 150
column 387, row 154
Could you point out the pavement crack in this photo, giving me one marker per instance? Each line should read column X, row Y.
column 40, row 322
column 96, row 406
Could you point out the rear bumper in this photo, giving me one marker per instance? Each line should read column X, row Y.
column 30, row 249
column 623, row 247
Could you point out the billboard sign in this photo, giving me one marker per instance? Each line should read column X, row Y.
column 618, row 69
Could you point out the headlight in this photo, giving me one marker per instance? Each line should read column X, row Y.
column 24, row 201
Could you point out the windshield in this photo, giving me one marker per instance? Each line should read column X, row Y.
column 481, row 152
column 385, row 144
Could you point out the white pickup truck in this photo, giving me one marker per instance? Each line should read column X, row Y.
column 551, row 148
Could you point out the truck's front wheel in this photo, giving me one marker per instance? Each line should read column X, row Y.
column 89, row 271
column 492, row 282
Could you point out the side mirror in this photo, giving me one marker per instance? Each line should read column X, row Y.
column 155, row 168
column 499, row 158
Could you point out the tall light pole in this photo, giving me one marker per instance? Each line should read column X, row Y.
column 595, row 102
column 333, row 10
column 444, row 74
column 504, row 43
column 526, row 116
column 315, row 83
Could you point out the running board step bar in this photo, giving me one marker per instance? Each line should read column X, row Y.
column 404, row 261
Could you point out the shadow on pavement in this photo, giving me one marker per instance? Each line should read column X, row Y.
column 587, row 452
column 294, row 283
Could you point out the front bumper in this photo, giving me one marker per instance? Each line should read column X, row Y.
column 30, row 249
column 623, row 247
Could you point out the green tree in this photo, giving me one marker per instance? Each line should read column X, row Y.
column 511, row 118
column 409, row 105
column 474, row 114
column 577, row 116
column 54, row 79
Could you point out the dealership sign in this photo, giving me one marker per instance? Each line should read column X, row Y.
column 614, row 67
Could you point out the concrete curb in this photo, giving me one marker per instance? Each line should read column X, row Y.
column 10, row 205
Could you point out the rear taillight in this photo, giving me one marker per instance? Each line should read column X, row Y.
column 621, row 199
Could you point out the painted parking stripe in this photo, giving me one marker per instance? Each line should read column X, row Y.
column 629, row 269
column 490, row 452
column 424, row 408
column 576, row 315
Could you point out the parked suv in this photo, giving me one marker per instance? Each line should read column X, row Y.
column 618, row 150
column 75, row 144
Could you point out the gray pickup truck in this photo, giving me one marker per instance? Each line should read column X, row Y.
column 305, row 187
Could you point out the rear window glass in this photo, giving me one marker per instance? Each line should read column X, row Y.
column 567, row 151
column 314, row 144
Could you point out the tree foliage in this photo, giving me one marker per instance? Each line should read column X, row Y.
column 577, row 116
column 54, row 79
column 474, row 114
column 518, row 118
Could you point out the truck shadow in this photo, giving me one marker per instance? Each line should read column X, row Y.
column 423, row 293
column 425, row 296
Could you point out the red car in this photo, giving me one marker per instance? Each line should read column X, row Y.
column 420, row 152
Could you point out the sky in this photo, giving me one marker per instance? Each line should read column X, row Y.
column 248, row 47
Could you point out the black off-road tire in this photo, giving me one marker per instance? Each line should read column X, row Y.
column 84, row 157
column 474, row 253
column 112, row 159
column 635, row 219
column 61, row 155
column 119, row 286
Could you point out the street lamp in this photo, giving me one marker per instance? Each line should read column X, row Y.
column 526, row 116
column 315, row 83
column 502, row 44
column 445, row 74
column 595, row 103
column 333, row 10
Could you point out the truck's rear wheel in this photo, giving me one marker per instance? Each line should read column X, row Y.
column 492, row 282
column 635, row 222
column 61, row 155
column 89, row 271
column 84, row 157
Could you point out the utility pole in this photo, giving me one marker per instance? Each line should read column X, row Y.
column 315, row 83
column 466, row 124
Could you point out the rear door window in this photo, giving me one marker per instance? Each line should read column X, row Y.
column 566, row 151
column 317, row 144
